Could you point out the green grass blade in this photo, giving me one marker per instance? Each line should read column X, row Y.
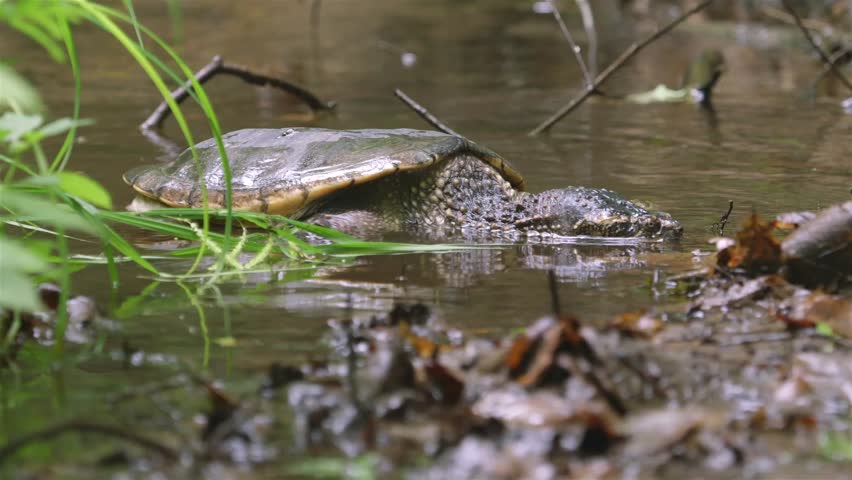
column 64, row 154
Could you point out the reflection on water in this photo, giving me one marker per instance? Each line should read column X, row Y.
column 491, row 70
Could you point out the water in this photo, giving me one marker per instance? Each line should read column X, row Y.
column 492, row 71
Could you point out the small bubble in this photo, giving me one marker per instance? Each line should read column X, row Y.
column 543, row 8
column 408, row 59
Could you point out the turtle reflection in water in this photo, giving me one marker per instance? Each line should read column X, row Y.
column 369, row 181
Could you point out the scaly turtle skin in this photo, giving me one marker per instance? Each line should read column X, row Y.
column 364, row 181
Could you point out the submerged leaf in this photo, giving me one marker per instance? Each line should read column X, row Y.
column 661, row 94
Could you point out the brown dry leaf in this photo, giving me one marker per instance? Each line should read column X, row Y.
column 532, row 357
column 757, row 250
column 442, row 384
column 424, row 347
column 637, row 323
column 516, row 357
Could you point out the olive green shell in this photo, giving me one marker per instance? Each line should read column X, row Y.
column 283, row 170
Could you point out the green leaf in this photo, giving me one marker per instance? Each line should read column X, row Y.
column 84, row 187
column 13, row 125
column 824, row 329
column 16, row 257
column 26, row 207
column 62, row 125
column 16, row 93
column 18, row 292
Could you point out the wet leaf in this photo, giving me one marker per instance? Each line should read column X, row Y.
column 81, row 186
column 660, row 94
column 757, row 250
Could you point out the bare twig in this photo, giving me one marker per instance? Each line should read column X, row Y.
column 217, row 66
column 424, row 114
column 723, row 220
column 615, row 66
column 591, row 35
column 86, row 426
column 785, row 17
column 838, row 57
column 575, row 49
column 824, row 56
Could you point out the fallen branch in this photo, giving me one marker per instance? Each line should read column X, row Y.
column 615, row 66
column 424, row 114
column 217, row 66
column 85, row 426
column 824, row 56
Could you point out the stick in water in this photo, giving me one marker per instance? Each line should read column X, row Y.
column 824, row 56
column 615, row 66
column 575, row 49
column 424, row 114
column 217, row 66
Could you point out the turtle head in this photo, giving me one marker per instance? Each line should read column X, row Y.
column 575, row 211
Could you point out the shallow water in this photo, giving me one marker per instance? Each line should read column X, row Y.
column 492, row 71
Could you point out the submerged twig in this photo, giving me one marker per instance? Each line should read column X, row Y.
column 723, row 220
column 615, row 66
column 424, row 114
column 217, row 66
column 352, row 361
column 554, row 293
column 575, row 49
column 50, row 433
column 807, row 34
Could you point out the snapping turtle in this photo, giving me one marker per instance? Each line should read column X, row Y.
column 366, row 181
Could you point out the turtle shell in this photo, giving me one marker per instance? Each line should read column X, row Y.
column 283, row 170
